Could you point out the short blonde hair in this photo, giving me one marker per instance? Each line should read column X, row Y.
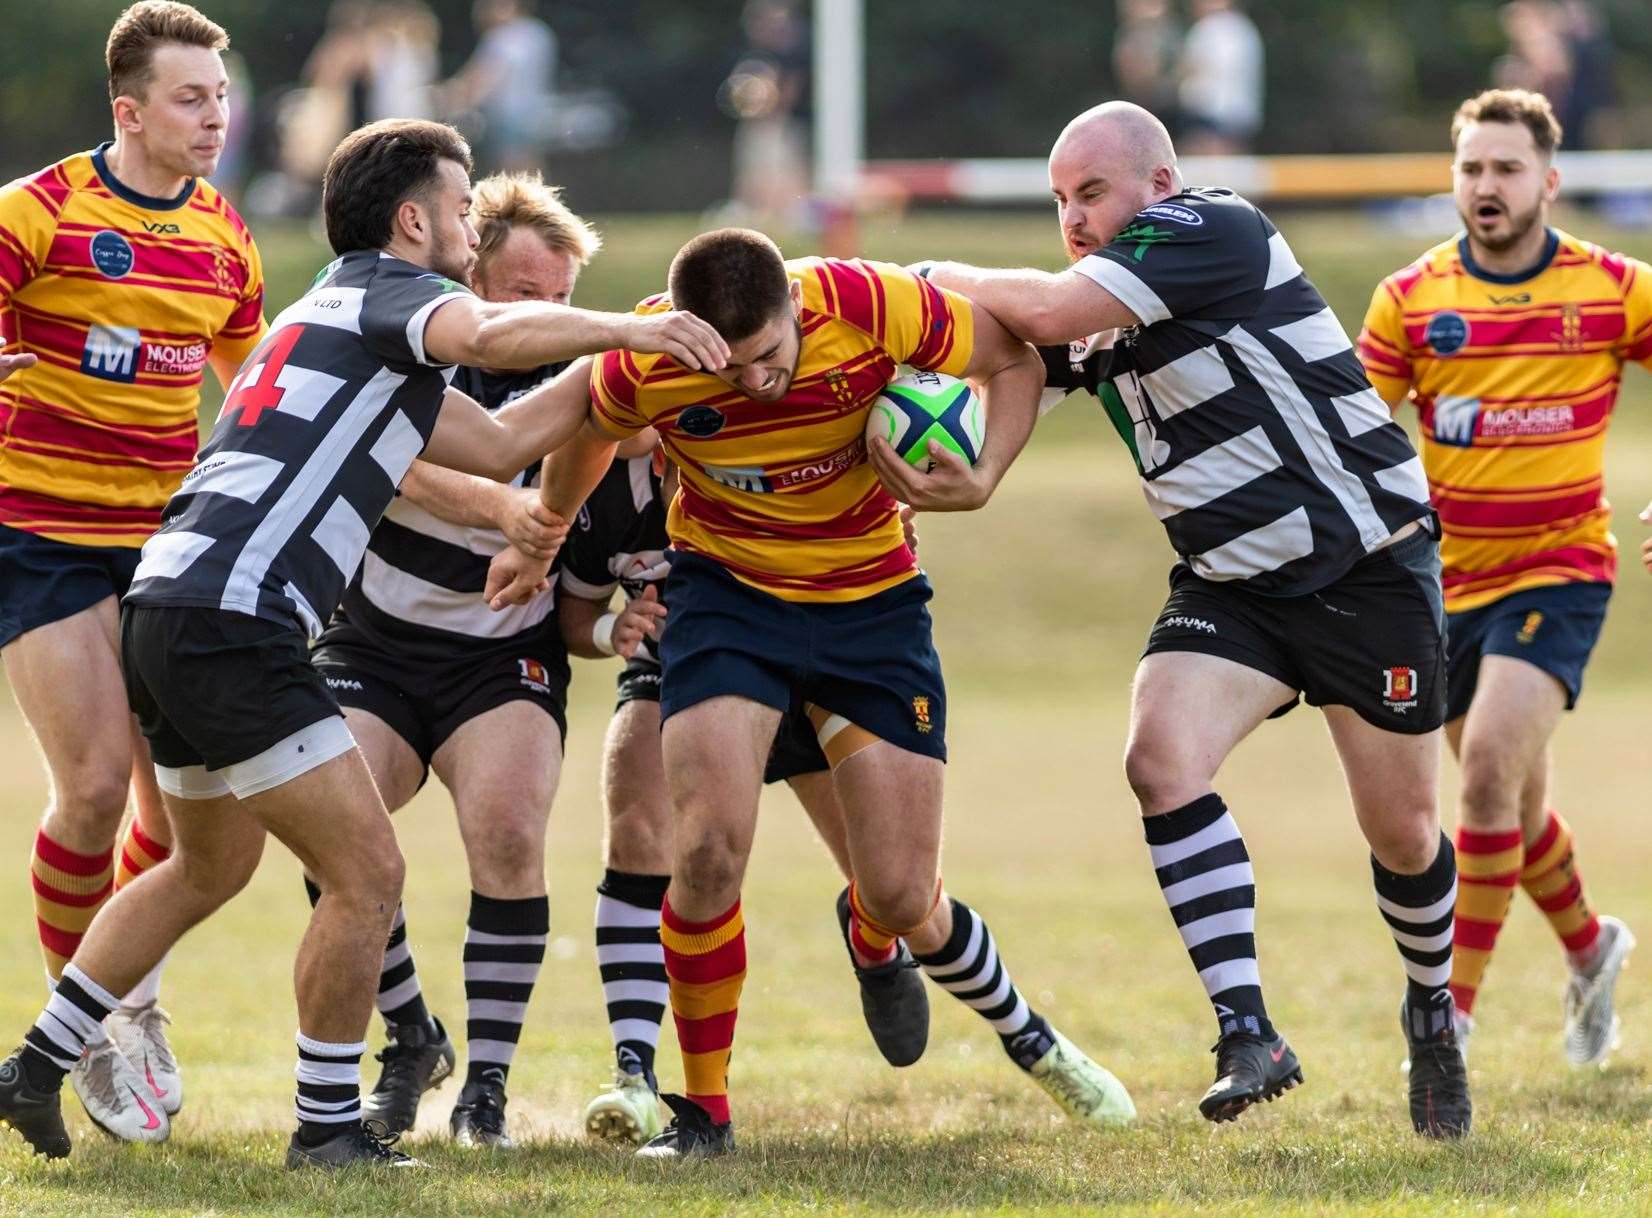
column 145, row 27
column 1530, row 110
column 504, row 201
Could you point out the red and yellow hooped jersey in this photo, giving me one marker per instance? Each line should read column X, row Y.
column 782, row 494
column 121, row 297
column 1514, row 379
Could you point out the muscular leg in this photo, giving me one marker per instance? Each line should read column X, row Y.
column 502, row 768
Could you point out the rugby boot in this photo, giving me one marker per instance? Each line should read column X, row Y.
column 1248, row 1071
column 627, row 1111
column 1591, row 1023
column 418, row 1058
column 892, row 998
column 1084, row 1090
column 478, row 1120
column 692, row 1134
column 1440, row 1104
column 116, row 1097
column 37, row 1115
column 357, row 1144
column 140, row 1034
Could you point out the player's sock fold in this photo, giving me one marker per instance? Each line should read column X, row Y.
column 73, row 1019
column 329, row 1087
column 871, row 942
column 969, row 968
column 504, row 948
column 1205, row 874
column 706, row 964
column 69, row 889
column 1488, row 871
column 1550, row 878
column 632, row 965
column 1420, row 911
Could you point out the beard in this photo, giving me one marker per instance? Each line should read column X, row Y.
column 454, row 260
column 1519, row 225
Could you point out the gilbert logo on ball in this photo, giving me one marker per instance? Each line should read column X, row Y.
column 919, row 407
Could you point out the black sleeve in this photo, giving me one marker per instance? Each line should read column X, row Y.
column 1075, row 366
column 397, row 304
column 1186, row 258
column 590, row 544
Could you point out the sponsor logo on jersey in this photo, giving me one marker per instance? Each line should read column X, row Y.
column 1182, row 621
column 1528, row 628
column 1454, row 420
column 760, row 480
column 174, row 359
column 1174, row 211
column 112, row 254
column 344, row 683
column 535, row 676
column 1519, row 298
column 1399, row 689
column 1447, row 333
column 701, row 422
column 739, row 477
column 111, row 353
column 1144, row 237
column 161, row 228
column 920, row 715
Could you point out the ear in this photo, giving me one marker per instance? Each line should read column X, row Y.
column 411, row 222
column 795, row 291
column 127, row 115
column 1551, row 184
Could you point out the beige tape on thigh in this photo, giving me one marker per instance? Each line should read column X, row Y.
column 839, row 739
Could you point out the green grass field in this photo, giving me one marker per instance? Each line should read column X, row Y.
column 1043, row 602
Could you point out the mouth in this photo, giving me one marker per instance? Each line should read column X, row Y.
column 1489, row 213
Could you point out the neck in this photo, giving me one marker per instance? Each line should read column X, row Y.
column 1517, row 257
column 406, row 251
column 136, row 171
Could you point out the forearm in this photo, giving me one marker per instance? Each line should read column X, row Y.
column 526, row 336
column 572, row 472
column 1009, row 399
column 579, row 618
column 455, row 497
column 1017, row 298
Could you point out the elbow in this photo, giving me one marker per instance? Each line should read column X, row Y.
column 1044, row 326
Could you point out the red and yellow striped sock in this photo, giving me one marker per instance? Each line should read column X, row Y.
column 1488, row 870
column 69, row 889
column 706, row 965
column 138, row 853
column 1551, row 879
column 871, row 941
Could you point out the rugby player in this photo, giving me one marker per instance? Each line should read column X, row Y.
column 793, row 588
column 317, row 431
column 618, row 542
column 1307, row 567
column 431, row 679
column 1510, row 340
column 123, row 275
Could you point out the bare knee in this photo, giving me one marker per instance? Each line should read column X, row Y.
column 1492, row 782
column 1407, row 841
column 639, row 836
column 507, row 857
column 88, row 802
column 899, row 904
column 1161, row 774
column 711, row 861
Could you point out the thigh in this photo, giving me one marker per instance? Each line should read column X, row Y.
column 1552, row 630
column 1222, row 621
column 331, row 818
column 398, row 771
column 891, row 802
column 534, row 676
column 727, row 641
column 216, row 835
column 502, row 767
column 713, row 754
column 374, row 682
column 818, row 795
column 1188, row 709
column 634, row 790
column 44, row 581
column 1393, row 780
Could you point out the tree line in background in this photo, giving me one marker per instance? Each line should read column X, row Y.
column 944, row 78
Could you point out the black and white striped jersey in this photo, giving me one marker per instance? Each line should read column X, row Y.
column 421, row 580
column 316, row 432
column 1262, row 447
column 618, row 540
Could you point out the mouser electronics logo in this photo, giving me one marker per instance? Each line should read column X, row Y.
column 761, row 480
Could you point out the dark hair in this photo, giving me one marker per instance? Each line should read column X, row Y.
column 144, row 28
column 376, row 169
column 733, row 279
column 1532, row 110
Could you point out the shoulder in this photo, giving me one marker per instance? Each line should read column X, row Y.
column 1441, row 261
column 1207, row 211
column 53, row 186
column 234, row 230
column 1626, row 274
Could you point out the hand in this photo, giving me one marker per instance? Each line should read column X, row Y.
column 529, row 525
column 15, row 363
column 681, row 335
column 514, row 578
column 1646, row 546
column 643, row 617
column 909, row 526
column 951, row 486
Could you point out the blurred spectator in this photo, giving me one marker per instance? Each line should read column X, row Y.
column 767, row 93
column 1583, row 111
column 1221, row 80
column 401, row 70
column 235, row 165
column 507, row 85
column 1146, row 47
column 1539, row 57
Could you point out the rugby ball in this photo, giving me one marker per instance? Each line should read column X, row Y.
column 919, row 407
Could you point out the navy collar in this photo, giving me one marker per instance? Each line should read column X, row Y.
column 101, row 164
column 1535, row 269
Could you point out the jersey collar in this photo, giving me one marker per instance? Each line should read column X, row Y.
column 1531, row 272
column 101, row 164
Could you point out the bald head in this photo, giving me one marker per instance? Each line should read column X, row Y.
column 1109, row 163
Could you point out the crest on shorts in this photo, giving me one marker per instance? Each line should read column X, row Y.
column 534, row 676
column 920, row 714
column 1399, row 688
column 1528, row 628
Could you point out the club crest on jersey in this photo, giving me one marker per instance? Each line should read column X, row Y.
column 701, row 422
column 1447, row 333
column 920, row 715
column 534, row 676
column 1571, row 328
column 1399, row 688
column 112, row 254
column 838, row 382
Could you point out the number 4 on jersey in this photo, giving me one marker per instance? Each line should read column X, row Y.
column 250, row 399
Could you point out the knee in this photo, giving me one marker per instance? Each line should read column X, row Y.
column 1492, row 782
column 508, row 855
column 711, row 861
column 202, row 884
column 899, row 906
column 1408, row 841
column 1160, row 774
column 372, row 876
column 91, row 797
column 638, row 829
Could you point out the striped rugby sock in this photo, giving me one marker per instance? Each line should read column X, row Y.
column 968, row 967
column 1550, row 877
column 504, row 947
column 139, row 853
column 1420, row 911
column 1488, row 871
column 632, row 964
column 69, row 889
column 706, row 962
column 871, row 941
column 1205, row 874
column 73, row 1019
column 329, row 1087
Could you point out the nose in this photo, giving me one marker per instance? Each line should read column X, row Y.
column 752, row 377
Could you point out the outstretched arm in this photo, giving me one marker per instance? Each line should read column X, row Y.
column 484, row 503
column 1037, row 306
column 497, row 446
column 525, row 334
